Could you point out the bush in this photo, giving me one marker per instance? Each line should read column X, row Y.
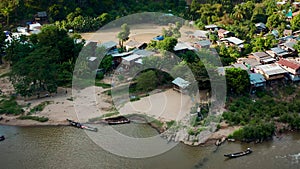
column 36, row 118
column 10, row 107
column 39, row 107
column 170, row 123
column 136, row 98
column 99, row 76
column 103, row 85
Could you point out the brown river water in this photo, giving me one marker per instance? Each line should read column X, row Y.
column 68, row 147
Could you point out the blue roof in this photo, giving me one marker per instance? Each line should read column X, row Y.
column 277, row 50
column 256, row 78
column 159, row 38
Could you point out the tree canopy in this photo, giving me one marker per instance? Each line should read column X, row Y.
column 124, row 34
column 44, row 63
column 237, row 80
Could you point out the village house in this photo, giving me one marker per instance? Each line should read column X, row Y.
column 296, row 5
column 277, row 53
column 110, row 47
column 41, row 16
column 183, row 47
column 232, row 41
column 289, row 47
column 180, row 85
column 257, row 80
column 262, row 57
column 117, row 57
column 250, row 63
column 143, row 53
column 133, row 44
column 211, row 27
column 261, row 28
column 203, row 44
column 271, row 71
column 292, row 66
column 222, row 33
column 129, row 61
column 199, row 34
column 287, row 32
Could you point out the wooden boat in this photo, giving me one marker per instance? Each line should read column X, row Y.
column 79, row 125
column 239, row 154
column 117, row 120
column 2, row 138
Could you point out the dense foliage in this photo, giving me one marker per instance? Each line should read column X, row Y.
column 42, row 62
column 237, row 80
column 260, row 115
column 10, row 106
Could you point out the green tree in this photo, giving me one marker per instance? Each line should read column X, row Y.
column 124, row 34
column 35, row 73
column 147, row 81
column 6, row 7
column 274, row 21
column 2, row 44
column 295, row 23
column 167, row 44
column 237, row 80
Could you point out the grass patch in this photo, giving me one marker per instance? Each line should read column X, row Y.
column 103, row 85
column 10, row 106
column 170, row 123
column 36, row 118
column 113, row 113
column 40, row 107
column 154, row 122
column 195, row 131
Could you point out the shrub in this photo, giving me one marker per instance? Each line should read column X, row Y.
column 36, row 118
column 39, row 107
column 10, row 107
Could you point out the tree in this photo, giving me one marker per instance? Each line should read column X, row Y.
column 6, row 7
column 274, row 21
column 297, row 46
column 2, row 44
column 237, row 80
column 295, row 23
column 37, row 72
column 167, row 44
column 124, row 34
column 147, row 81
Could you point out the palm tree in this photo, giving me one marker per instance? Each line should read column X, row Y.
column 238, row 12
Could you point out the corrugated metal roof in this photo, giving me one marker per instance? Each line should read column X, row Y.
column 132, row 57
column 122, row 54
column 234, row 40
column 290, row 64
column 183, row 46
column 271, row 69
column 108, row 45
column 277, row 50
column 211, row 26
column 200, row 33
column 260, row 54
column 181, row 82
column 256, row 78
column 143, row 53
column 204, row 43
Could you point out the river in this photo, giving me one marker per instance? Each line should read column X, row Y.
column 68, row 147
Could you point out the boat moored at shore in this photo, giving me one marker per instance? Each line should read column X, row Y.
column 239, row 154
